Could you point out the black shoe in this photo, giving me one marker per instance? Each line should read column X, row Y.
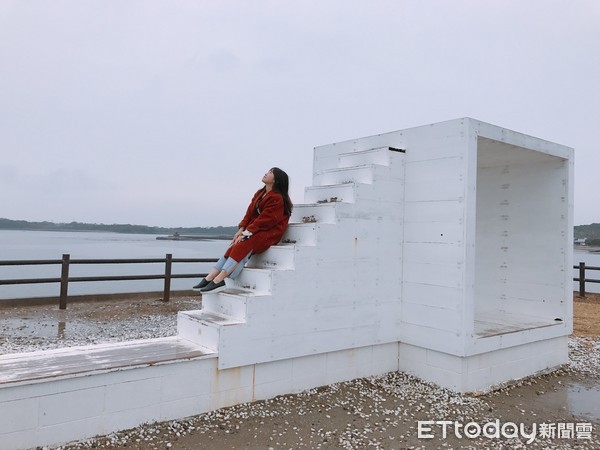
column 213, row 287
column 200, row 285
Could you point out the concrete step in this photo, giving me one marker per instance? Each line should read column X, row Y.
column 234, row 304
column 203, row 328
column 226, row 304
column 366, row 174
column 258, row 281
column 312, row 213
column 330, row 194
column 380, row 155
column 360, row 174
column 302, row 234
column 277, row 257
column 327, row 156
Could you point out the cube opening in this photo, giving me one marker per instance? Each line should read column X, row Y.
column 520, row 243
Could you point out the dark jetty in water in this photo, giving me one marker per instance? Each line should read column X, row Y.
column 181, row 237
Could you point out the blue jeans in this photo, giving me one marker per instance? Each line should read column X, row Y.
column 227, row 263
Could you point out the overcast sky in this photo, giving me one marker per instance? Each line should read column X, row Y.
column 169, row 112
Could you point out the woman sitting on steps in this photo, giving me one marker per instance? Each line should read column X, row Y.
column 263, row 225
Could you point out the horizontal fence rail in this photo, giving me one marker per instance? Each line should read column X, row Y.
column 582, row 279
column 66, row 262
column 168, row 261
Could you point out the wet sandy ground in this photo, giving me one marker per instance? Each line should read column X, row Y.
column 377, row 412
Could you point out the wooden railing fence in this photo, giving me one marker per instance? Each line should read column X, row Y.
column 582, row 278
column 167, row 276
column 66, row 262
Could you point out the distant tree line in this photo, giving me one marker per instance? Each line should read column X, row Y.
column 590, row 232
column 8, row 224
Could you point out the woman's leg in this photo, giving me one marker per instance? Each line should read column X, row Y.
column 220, row 277
column 217, row 268
column 235, row 271
column 231, row 268
column 212, row 274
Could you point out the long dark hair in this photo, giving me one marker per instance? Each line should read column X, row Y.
column 281, row 185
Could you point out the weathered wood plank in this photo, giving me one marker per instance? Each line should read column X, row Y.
column 77, row 360
column 495, row 323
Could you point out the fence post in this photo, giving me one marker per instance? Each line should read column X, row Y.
column 64, row 281
column 582, row 279
column 167, row 290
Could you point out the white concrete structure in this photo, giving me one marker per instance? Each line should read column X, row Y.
column 444, row 251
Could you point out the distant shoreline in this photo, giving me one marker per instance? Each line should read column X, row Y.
column 23, row 225
column 587, row 249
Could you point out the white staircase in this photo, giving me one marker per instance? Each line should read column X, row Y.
column 318, row 289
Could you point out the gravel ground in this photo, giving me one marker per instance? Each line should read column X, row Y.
column 376, row 412
column 24, row 329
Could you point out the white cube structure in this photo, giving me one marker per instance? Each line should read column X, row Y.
column 487, row 291
column 452, row 240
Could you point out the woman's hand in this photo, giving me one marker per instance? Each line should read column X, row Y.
column 237, row 237
column 243, row 236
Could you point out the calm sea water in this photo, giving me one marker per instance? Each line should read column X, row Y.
column 15, row 245
column 52, row 245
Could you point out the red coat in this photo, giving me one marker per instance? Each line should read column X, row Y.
column 266, row 219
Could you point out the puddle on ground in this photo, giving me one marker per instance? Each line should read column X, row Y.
column 583, row 400
column 42, row 328
column 580, row 398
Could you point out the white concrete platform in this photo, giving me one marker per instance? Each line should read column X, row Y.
column 85, row 360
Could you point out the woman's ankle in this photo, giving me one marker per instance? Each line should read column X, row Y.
column 220, row 277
